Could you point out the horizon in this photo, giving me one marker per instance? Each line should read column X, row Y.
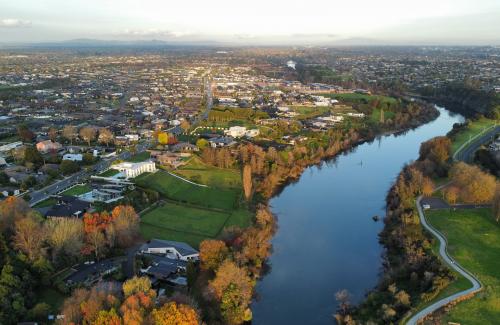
column 320, row 22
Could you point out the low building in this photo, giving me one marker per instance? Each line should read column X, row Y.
column 68, row 207
column 73, row 157
column 171, row 249
column 131, row 170
column 221, row 142
column 10, row 146
column 48, row 145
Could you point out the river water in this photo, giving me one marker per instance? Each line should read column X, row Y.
column 327, row 240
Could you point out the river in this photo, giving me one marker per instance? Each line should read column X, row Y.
column 326, row 239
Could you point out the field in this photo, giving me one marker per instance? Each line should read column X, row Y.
column 110, row 172
column 474, row 241
column 197, row 171
column 140, row 157
column 307, row 112
column 182, row 191
column 376, row 115
column 361, row 98
column 45, row 203
column 189, row 224
column 474, row 128
column 78, row 190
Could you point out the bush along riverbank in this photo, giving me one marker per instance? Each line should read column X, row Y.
column 231, row 265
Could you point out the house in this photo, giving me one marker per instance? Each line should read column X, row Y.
column 221, row 142
column 166, row 269
column 10, row 146
column 48, row 145
column 2, row 162
column 132, row 137
column 171, row 249
column 131, row 170
column 236, row 131
column 89, row 273
column 73, row 157
column 169, row 159
column 183, row 147
column 67, row 207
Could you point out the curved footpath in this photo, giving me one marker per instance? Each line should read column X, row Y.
column 443, row 252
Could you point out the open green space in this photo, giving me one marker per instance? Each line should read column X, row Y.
column 110, row 172
column 45, row 203
column 375, row 116
column 78, row 190
column 474, row 241
column 362, row 98
column 473, row 128
column 182, row 191
column 307, row 112
column 189, row 224
column 142, row 156
column 199, row 172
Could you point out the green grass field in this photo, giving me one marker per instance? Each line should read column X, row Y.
column 475, row 127
column 307, row 112
column 140, row 157
column 197, row 171
column 376, row 115
column 110, row 172
column 179, row 190
column 474, row 241
column 189, row 224
column 78, row 190
column 45, row 203
column 361, row 98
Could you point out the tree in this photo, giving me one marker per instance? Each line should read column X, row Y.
column 343, row 298
column 451, row 194
column 496, row 204
column 437, row 150
column 137, row 307
column 201, row 143
column 106, row 317
column 25, row 133
column 126, row 224
column 232, row 287
column 185, row 125
column 427, row 187
column 135, row 285
column 173, row 313
column 29, row 238
column 31, row 155
column 247, row 181
column 163, row 138
column 52, row 134
column 13, row 209
column 212, row 254
column 65, row 237
column 475, row 185
column 88, row 134
column 105, row 136
column 69, row 132
column 94, row 226
column 68, row 167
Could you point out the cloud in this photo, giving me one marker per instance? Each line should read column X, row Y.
column 13, row 23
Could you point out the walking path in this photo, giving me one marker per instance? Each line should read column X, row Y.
column 443, row 252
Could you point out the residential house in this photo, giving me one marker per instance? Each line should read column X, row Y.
column 68, row 207
column 47, row 146
column 171, row 249
column 131, row 170
column 73, row 157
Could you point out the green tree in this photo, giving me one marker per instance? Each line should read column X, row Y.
column 68, row 167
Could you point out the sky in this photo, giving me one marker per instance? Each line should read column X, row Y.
column 254, row 21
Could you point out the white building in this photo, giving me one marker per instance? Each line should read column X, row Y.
column 236, row 131
column 73, row 156
column 10, row 146
column 356, row 114
column 132, row 170
column 171, row 249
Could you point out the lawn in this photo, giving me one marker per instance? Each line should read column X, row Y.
column 361, row 98
column 474, row 241
column 78, row 190
column 199, row 172
column 474, row 128
column 182, row 191
column 110, row 172
column 307, row 112
column 140, row 157
column 376, row 115
column 188, row 224
column 45, row 203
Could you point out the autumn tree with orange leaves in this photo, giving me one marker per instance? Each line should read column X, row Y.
column 173, row 313
column 212, row 254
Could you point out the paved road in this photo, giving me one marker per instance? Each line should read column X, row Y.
column 466, row 154
column 81, row 176
column 476, row 284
